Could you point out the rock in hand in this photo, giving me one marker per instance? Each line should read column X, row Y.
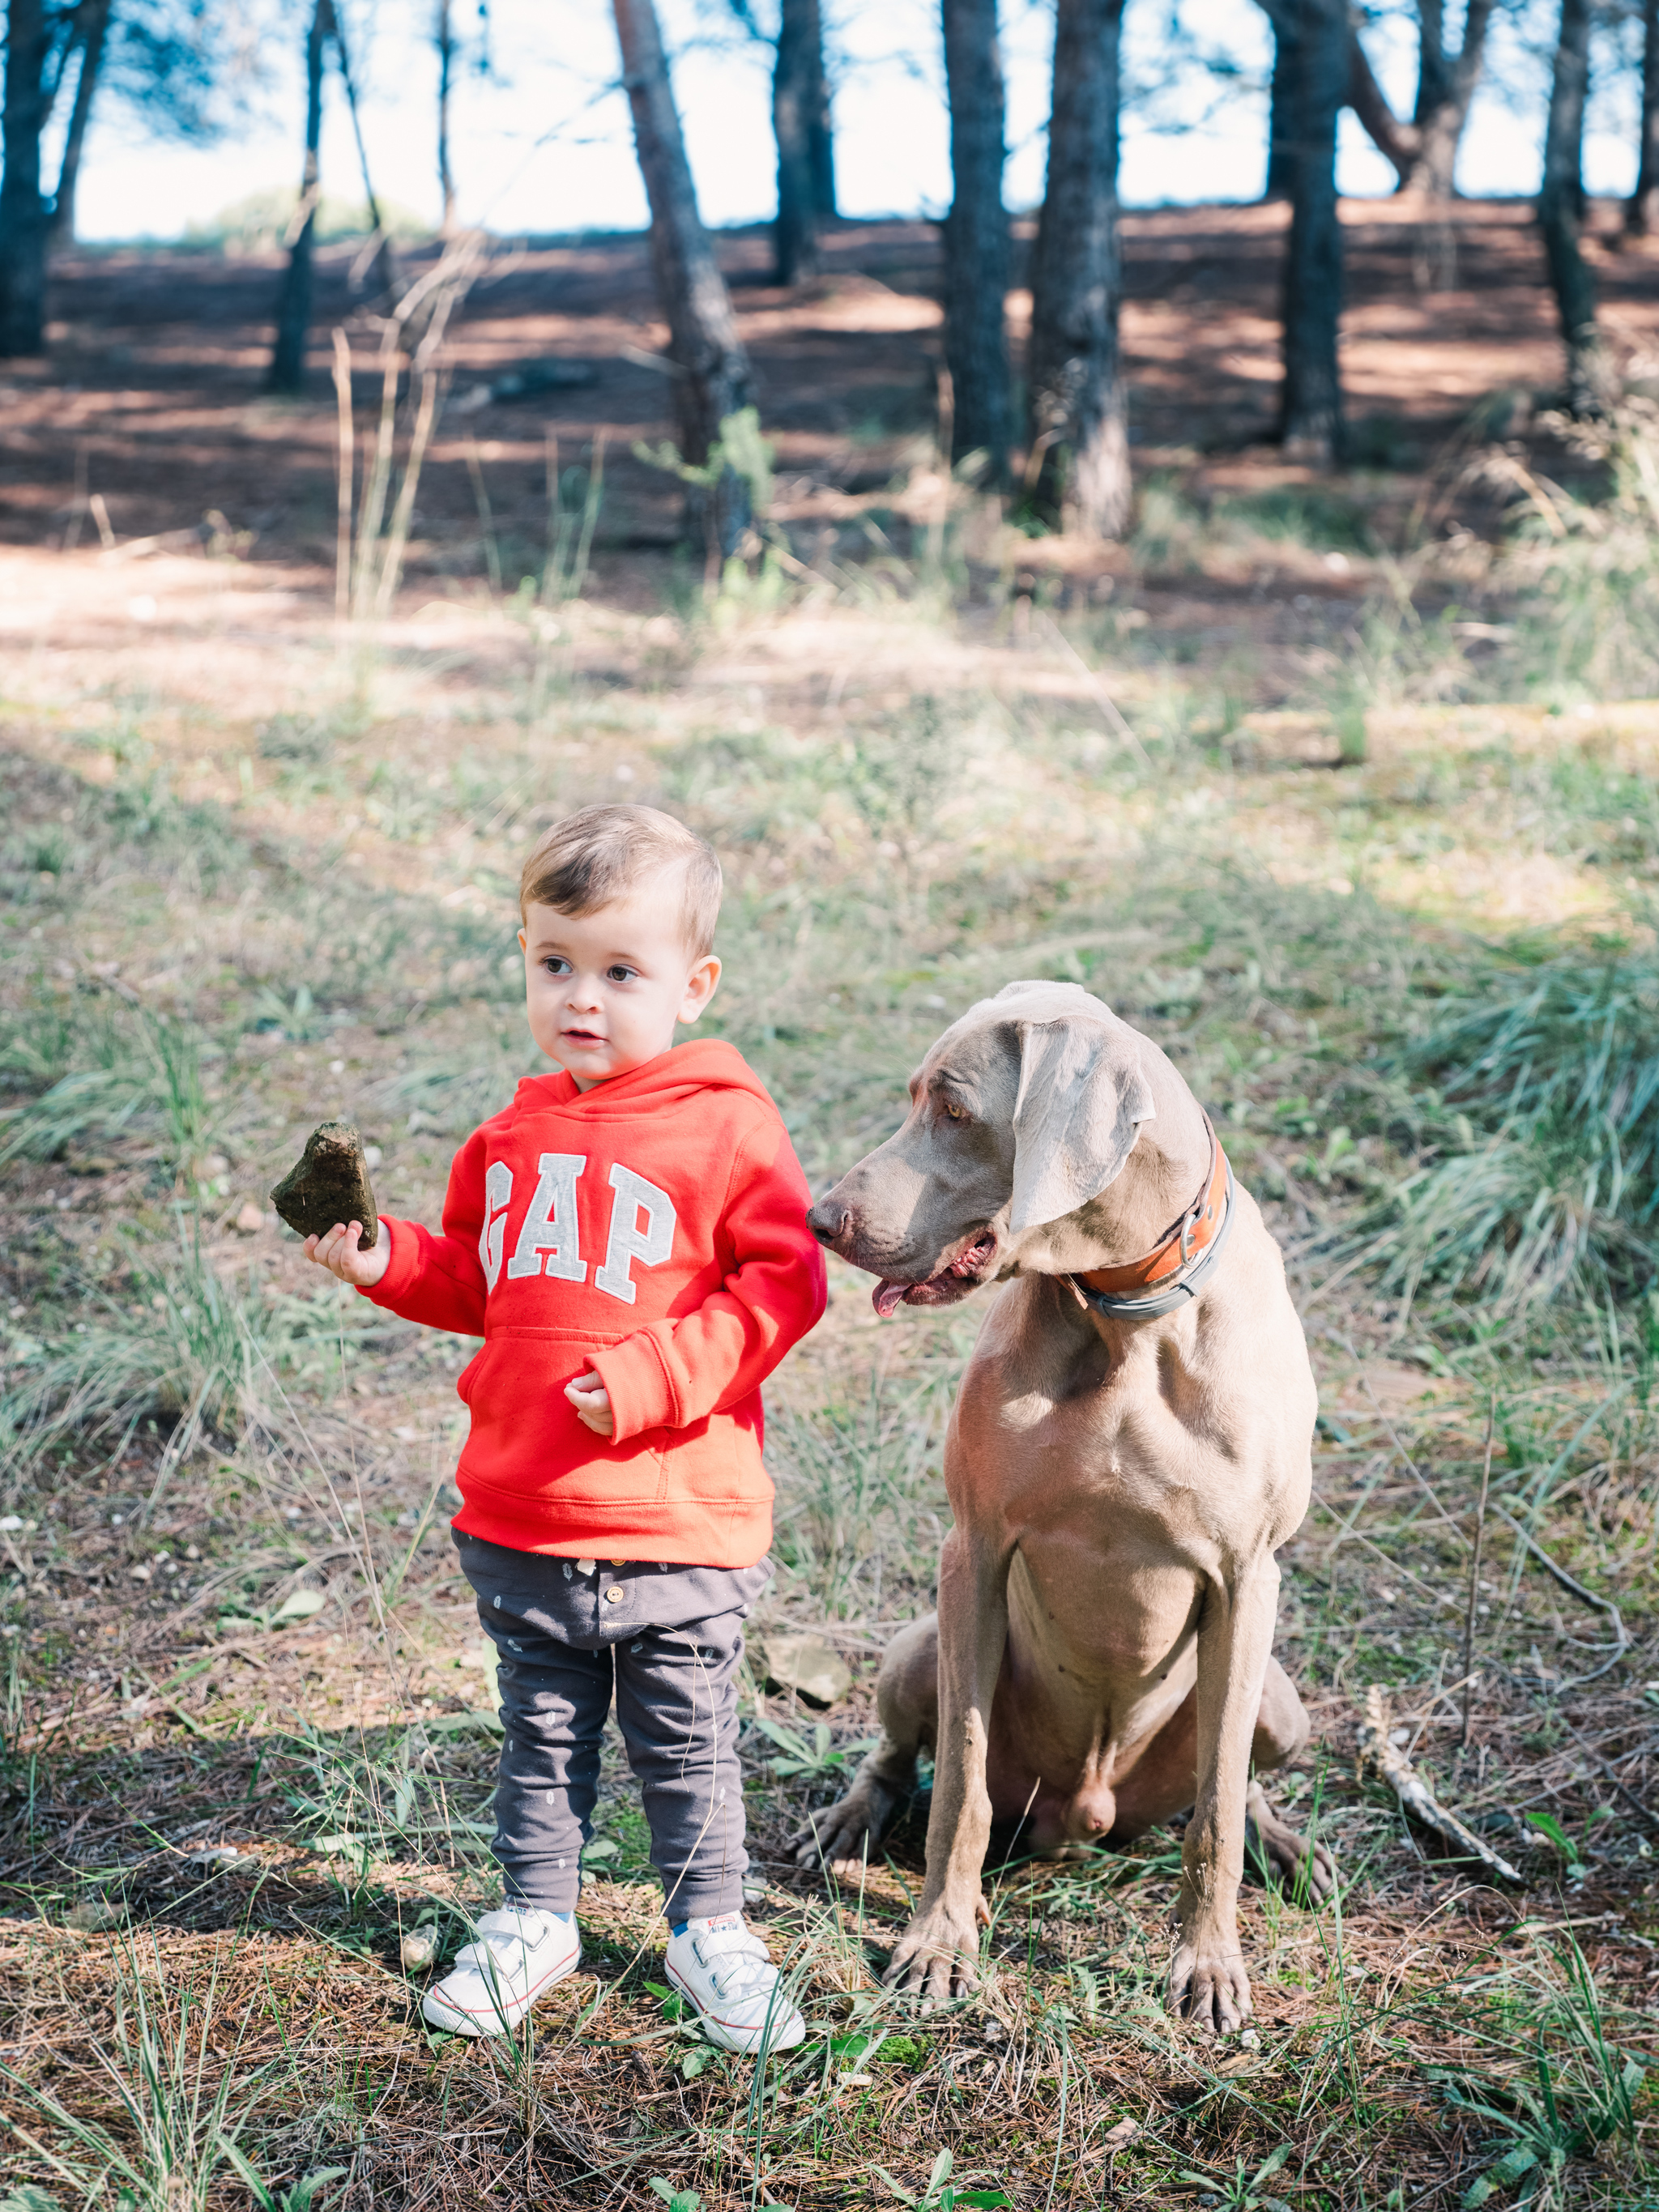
column 328, row 1184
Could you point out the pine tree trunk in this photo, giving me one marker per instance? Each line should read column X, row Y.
column 1396, row 141
column 23, row 214
column 977, row 240
column 1433, row 73
column 1439, row 136
column 797, row 87
column 1080, row 463
column 1310, row 409
column 383, row 273
column 820, row 134
column 1424, row 152
column 91, row 31
column 1642, row 210
column 1446, row 89
column 1561, row 213
column 444, row 38
column 1282, row 105
column 286, row 372
column 713, row 382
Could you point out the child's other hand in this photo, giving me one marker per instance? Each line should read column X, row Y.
column 588, row 1395
column 337, row 1252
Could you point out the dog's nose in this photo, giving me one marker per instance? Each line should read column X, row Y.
column 829, row 1222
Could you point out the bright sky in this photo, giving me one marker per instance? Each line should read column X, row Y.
column 542, row 144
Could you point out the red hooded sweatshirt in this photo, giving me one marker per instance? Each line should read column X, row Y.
column 655, row 1228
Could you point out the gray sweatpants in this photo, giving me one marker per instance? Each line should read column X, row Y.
column 668, row 1639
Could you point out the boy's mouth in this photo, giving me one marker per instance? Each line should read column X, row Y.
column 586, row 1038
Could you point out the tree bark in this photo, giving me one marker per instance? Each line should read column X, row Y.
column 287, row 356
column 1395, row 140
column 1561, row 213
column 91, row 33
column 1282, row 104
column 1422, row 152
column 712, row 381
column 445, row 38
column 1445, row 87
column 1079, row 468
column 24, row 107
column 1642, row 208
column 820, row 134
column 796, row 94
column 1310, row 412
column 1433, row 69
column 384, row 267
column 977, row 240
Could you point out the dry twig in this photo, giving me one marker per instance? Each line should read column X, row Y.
column 1388, row 1760
column 1622, row 1634
column 1475, row 1574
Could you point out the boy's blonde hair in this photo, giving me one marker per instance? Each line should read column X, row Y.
column 593, row 858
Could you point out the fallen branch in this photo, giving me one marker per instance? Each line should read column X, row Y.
column 1475, row 1573
column 1386, row 1760
column 1612, row 1773
column 1622, row 1634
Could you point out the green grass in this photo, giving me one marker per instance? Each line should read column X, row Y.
column 174, row 2096
column 1530, row 1097
column 1583, row 2090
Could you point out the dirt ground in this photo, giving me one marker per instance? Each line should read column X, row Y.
column 152, row 399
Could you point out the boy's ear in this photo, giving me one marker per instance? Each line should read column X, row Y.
column 521, row 940
column 700, row 986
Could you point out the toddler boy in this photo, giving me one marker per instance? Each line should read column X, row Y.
column 629, row 1237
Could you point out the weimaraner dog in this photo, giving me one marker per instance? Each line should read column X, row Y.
column 1129, row 1447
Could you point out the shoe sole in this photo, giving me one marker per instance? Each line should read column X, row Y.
column 750, row 2049
column 499, row 2020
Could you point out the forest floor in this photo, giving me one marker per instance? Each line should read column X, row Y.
column 1294, row 768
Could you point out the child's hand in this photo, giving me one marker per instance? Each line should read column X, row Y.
column 337, row 1252
column 588, row 1395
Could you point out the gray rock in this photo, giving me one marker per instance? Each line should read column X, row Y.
column 808, row 1666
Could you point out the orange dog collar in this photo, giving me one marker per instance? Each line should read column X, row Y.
column 1179, row 1263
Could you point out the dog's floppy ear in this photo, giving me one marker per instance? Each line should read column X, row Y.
column 1082, row 1099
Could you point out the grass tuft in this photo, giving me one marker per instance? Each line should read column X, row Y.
column 1539, row 1125
column 183, row 1345
column 155, row 2120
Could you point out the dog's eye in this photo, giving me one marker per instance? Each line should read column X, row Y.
column 956, row 1113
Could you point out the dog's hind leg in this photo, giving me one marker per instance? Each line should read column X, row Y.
column 843, row 1835
column 1160, row 1786
column 1271, row 1845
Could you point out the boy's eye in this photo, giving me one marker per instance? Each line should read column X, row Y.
column 619, row 974
column 556, row 965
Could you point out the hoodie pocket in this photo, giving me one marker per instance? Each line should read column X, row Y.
column 526, row 1439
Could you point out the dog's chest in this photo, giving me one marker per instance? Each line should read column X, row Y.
column 1099, row 1464
column 1103, row 1608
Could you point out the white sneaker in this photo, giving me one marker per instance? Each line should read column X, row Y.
column 519, row 1954
column 723, row 1969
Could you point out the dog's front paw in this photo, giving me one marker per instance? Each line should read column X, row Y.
column 1209, row 1986
column 938, row 1956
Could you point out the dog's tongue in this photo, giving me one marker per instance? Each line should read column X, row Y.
column 887, row 1297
